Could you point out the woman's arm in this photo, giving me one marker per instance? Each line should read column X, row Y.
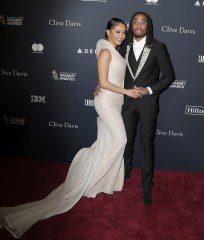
column 104, row 59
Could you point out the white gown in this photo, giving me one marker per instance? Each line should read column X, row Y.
column 93, row 170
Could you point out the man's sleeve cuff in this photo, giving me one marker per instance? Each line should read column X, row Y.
column 150, row 90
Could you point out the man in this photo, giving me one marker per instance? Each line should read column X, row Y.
column 146, row 59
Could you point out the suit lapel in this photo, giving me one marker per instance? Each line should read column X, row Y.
column 144, row 57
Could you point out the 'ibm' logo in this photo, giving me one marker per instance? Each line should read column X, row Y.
column 37, row 99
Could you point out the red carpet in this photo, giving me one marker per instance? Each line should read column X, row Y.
column 177, row 212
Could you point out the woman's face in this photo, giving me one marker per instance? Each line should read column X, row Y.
column 117, row 34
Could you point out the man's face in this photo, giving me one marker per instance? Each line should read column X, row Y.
column 139, row 26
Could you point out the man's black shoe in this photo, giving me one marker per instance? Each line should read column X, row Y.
column 147, row 197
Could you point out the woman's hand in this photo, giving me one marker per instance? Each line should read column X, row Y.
column 134, row 93
column 97, row 90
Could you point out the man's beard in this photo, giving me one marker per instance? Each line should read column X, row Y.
column 139, row 35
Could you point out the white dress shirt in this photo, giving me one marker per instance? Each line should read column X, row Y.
column 137, row 49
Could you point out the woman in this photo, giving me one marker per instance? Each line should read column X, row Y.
column 99, row 168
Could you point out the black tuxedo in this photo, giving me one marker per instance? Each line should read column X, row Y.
column 153, row 69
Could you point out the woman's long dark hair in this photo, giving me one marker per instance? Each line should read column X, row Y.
column 129, row 36
column 112, row 23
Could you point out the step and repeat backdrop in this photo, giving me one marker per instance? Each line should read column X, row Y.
column 48, row 74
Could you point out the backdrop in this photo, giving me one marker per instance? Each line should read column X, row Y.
column 48, row 74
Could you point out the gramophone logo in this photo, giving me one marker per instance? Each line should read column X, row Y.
column 55, row 75
column 2, row 20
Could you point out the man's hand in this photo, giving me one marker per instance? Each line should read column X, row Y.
column 142, row 91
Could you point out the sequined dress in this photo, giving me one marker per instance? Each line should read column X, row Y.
column 93, row 170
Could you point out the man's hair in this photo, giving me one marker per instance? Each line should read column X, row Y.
column 129, row 36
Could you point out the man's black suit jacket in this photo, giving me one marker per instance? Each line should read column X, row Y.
column 156, row 73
